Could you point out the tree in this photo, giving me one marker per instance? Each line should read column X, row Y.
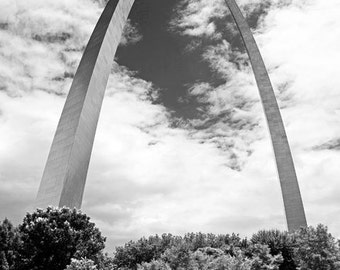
column 279, row 243
column 51, row 237
column 104, row 262
column 177, row 248
column 202, row 259
column 3, row 261
column 316, row 249
column 177, row 257
column 9, row 241
column 143, row 250
column 216, row 259
column 207, row 258
column 263, row 260
column 154, row 265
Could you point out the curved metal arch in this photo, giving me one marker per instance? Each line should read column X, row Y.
column 292, row 200
column 66, row 169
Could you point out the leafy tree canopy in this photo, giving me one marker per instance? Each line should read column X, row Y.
column 65, row 239
column 316, row 248
column 51, row 237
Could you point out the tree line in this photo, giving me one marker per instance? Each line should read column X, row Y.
column 66, row 239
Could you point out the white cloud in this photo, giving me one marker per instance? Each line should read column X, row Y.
column 194, row 18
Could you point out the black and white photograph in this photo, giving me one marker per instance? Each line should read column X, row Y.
column 169, row 134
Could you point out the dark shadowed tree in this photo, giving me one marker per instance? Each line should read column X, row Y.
column 9, row 241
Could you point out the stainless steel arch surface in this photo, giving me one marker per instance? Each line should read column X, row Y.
column 292, row 200
column 65, row 173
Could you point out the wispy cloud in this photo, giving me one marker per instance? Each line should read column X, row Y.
column 131, row 34
column 195, row 18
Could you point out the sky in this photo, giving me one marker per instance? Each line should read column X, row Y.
column 182, row 144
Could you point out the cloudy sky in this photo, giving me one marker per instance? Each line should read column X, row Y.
column 182, row 143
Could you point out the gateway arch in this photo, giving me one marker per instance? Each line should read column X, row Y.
column 65, row 172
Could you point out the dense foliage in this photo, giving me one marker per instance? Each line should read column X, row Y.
column 308, row 248
column 65, row 239
column 212, row 258
column 316, row 249
column 195, row 251
column 48, row 239
column 278, row 243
